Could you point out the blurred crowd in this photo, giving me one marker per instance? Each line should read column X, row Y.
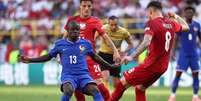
column 16, row 30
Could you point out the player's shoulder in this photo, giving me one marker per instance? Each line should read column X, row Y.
column 196, row 22
column 62, row 42
column 95, row 19
column 122, row 29
column 84, row 41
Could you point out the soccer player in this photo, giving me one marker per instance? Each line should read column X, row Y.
column 188, row 56
column 117, row 34
column 75, row 74
column 159, row 36
column 89, row 26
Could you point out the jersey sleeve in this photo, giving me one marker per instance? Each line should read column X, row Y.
column 149, row 29
column 99, row 27
column 177, row 27
column 54, row 51
column 126, row 34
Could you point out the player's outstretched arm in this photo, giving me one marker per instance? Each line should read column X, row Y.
column 179, row 20
column 25, row 59
column 102, row 62
column 139, row 50
column 116, row 56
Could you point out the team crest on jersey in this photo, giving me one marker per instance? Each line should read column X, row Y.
column 195, row 29
column 82, row 25
column 82, row 48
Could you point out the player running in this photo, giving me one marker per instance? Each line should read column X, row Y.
column 89, row 26
column 117, row 34
column 188, row 56
column 75, row 74
column 159, row 36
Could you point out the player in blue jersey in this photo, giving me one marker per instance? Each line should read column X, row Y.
column 188, row 56
column 75, row 74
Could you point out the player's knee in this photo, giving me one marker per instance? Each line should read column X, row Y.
column 178, row 73
column 68, row 89
column 91, row 89
column 195, row 74
column 141, row 87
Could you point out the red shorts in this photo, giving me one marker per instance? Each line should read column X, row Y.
column 94, row 69
column 141, row 76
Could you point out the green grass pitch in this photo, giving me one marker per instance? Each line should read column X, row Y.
column 52, row 93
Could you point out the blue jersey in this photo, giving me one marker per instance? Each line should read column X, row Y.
column 188, row 40
column 72, row 56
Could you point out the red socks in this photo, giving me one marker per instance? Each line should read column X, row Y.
column 104, row 91
column 118, row 92
column 79, row 96
column 140, row 95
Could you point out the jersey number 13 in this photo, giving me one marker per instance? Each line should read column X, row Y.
column 73, row 59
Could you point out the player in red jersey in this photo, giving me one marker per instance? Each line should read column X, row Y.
column 159, row 36
column 89, row 25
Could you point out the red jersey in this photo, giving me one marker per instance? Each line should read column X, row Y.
column 88, row 27
column 163, row 31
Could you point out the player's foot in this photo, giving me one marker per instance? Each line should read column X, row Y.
column 172, row 98
column 196, row 99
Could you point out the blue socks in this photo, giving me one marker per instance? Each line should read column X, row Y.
column 98, row 96
column 65, row 98
column 195, row 85
column 175, row 84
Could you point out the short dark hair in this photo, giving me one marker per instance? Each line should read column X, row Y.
column 73, row 25
column 190, row 8
column 113, row 17
column 86, row 0
column 155, row 4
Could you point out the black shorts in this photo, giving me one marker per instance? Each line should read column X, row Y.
column 109, row 59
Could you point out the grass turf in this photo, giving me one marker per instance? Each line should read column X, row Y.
column 52, row 93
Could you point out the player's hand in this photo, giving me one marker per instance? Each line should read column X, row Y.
column 172, row 15
column 116, row 57
column 23, row 59
column 126, row 59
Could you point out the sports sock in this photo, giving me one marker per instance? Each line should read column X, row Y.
column 104, row 91
column 79, row 96
column 98, row 97
column 118, row 92
column 140, row 95
column 175, row 84
column 65, row 98
column 195, row 85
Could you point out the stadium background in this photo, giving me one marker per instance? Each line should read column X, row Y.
column 33, row 26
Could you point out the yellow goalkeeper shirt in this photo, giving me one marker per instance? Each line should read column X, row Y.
column 117, row 38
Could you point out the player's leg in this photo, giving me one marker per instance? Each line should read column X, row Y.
column 67, row 89
column 182, row 66
column 195, row 86
column 140, row 93
column 121, row 86
column 102, row 88
column 194, row 62
column 79, row 95
column 96, row 74
column 106, row 76
column 140, row 90
column 91, row 89
column 115, row 80
column 115, row 73
column 105, row 72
